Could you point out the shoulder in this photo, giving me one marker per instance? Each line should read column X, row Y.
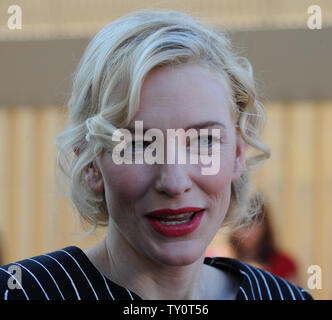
column 47, row 276
column 65, row 274
column 258, row 284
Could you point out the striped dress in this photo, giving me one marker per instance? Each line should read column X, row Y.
column 68, row 274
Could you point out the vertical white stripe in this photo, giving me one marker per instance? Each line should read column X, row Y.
column 252, row 289
column 289, row 288
column 276, row 283
column 300, row 293
column 266, row 285
column 130, row 294
column 17, row 282
column 257, row 283
column 108, row 289
column 41, row 287
column 6, row 295
column 244, row 293
column 71, row 280
column 305, row 291
column 49, row 275
column 82, row 272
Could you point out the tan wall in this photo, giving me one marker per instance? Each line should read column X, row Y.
column 49, row 19
column 297, row 181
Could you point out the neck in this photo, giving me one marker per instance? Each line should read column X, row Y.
column 148, row 278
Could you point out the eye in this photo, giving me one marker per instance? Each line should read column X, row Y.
column 205, row 141
column 139, row 145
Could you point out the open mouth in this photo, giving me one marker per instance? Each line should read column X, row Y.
column 175, row 225
column 177, row 219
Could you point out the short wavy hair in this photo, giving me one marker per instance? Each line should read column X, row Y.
column 106, row 90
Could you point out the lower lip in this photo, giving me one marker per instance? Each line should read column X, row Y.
column 177, row 230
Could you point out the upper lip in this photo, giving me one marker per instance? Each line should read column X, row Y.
column 171, row 212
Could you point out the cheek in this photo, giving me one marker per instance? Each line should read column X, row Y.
column 125, row 183
column 223, row 178
column 218, row 186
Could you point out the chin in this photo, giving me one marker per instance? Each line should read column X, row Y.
column 179, row 254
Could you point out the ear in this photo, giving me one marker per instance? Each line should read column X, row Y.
column 93, row 177
column 241, row 147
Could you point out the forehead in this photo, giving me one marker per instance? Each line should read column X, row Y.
column 174, row 97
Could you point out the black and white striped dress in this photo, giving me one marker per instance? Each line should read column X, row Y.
column 68, row 274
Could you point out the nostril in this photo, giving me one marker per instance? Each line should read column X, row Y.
column 173, row 190
column 173, row 180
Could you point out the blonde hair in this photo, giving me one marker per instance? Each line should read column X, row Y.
column 106, row 90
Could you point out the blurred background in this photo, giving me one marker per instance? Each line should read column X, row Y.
column 292, row 64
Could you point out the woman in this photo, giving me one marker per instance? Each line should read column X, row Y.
column 162, row 70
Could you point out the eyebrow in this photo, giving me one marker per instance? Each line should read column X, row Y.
column 199, row 125
column 205, row 124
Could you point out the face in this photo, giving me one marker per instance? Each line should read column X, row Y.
column 173, row 98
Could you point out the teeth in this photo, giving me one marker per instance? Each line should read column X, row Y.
column 178, row 216
column 177, row 219
column 171, row 223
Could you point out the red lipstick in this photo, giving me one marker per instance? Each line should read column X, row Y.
column 176, row 223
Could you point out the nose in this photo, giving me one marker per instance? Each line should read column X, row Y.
column 173, row 180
